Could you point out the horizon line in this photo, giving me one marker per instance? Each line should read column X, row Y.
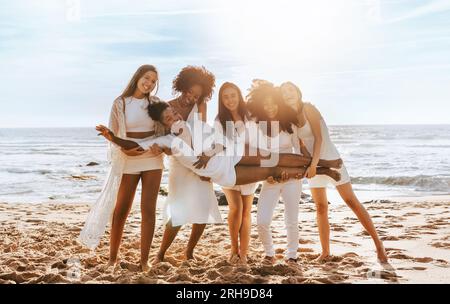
column 343, row 124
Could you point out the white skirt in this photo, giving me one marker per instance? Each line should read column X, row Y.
column 190, row 200
column 144, row 162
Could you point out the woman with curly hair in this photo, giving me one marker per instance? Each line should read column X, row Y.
column 194, row 86
column 191, row 198
column 267, row 107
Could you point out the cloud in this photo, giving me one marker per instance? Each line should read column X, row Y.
column 433, row 7
column 154, row 13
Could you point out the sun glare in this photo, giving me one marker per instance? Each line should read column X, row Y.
column 290, row 31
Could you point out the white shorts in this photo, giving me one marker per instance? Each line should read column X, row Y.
column 144, row 162
column 322, row 181
column 247, row 189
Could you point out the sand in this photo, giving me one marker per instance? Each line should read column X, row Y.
column 39, row 245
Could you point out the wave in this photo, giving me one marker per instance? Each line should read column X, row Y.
column 17, row 192
column 36, row 171
column 419, row 182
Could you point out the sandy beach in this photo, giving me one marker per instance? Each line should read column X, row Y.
column 39, row 245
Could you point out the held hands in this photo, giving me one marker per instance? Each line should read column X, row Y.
column 202, row 161
column 156, row 149
column 284, row 177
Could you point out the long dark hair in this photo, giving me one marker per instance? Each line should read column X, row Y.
column 224, row 114
column 132, row 85
column 260, row 90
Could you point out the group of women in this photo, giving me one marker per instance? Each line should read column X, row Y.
column 300, row 139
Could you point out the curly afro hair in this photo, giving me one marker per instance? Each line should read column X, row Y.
column 259, row 91
column 192, row 75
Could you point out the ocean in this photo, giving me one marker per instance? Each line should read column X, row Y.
column 51, row 165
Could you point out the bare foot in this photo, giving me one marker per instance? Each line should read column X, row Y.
column 268, row 260
column 158, row 259
column 145, row 267
column 323, row 257
column 233, row 259
column 243, row 260
column 111, row 263
column 189, row 256
column 381, row 255
column 111, row 266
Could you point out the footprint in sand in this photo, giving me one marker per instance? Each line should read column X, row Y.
column 305, row 249
column 225, row 270
column 399, row 256
column 179, row 278
column 443, row 245
column 305, row 241
column 441, row 263
column 130, row 266
column 389, row 238
column 212, row 274
column 411, row 214
column 339, row 229
column 381, row 274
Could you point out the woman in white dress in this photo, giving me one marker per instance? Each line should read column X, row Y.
column 129, row 118
column 266, row 105
column 191, row 198
column 224, row 170
column 230, row 124
column 314, row 133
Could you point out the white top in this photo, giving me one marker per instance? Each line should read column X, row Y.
column 281, row 143
column 136, row 115
column 190, row 143
column 328, row 149
column 238, row 132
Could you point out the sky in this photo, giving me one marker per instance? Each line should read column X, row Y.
column 63, row 62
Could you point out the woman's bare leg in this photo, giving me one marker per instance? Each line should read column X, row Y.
column 246, row 226
column 251, row 174
column 319, row 196
column 287, row 160
column 349, row 197
column 196, row 233
column 170, row 232
column 150, row 188
column 235, row 207
column 124, row 202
